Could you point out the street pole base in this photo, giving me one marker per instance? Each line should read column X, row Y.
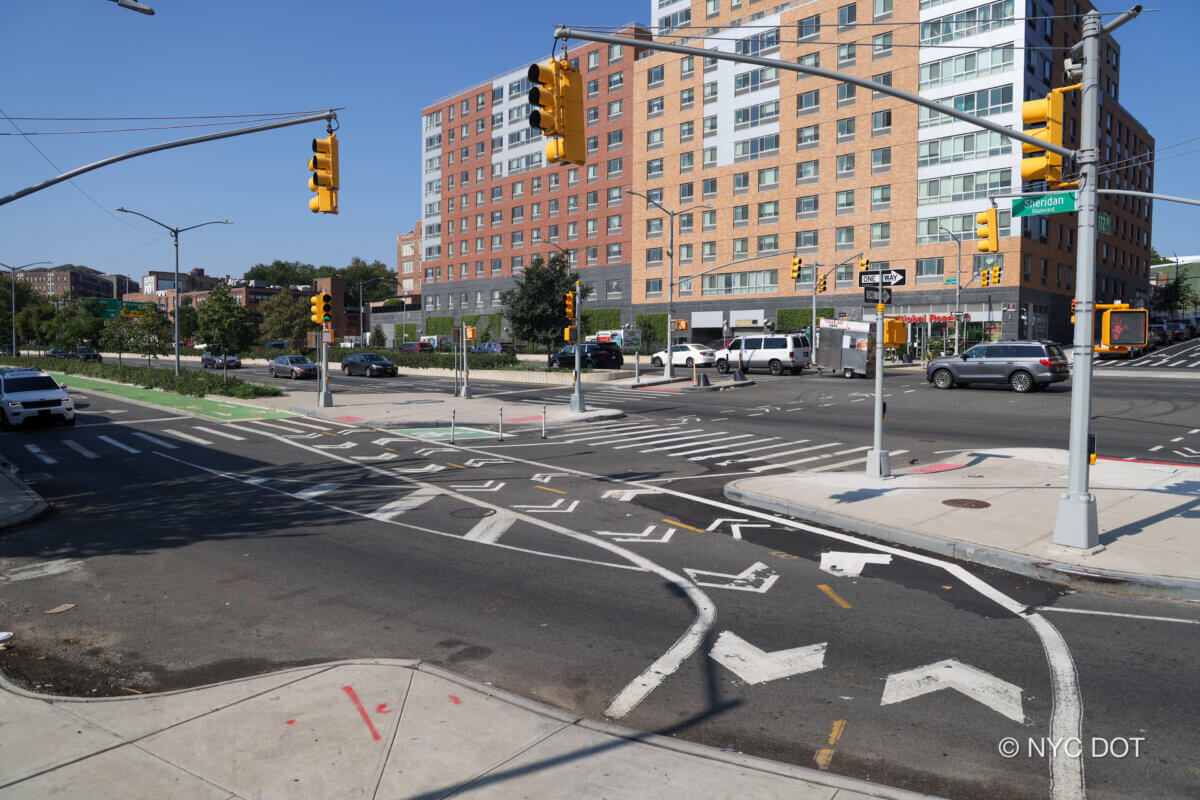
column 577, row 403
column 325, row 399
column 1075, row 524
column 878, row 464
column 465, row 392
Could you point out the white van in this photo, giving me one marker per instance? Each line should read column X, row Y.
column 774, row 352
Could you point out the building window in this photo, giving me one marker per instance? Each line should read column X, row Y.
column 806, row 241
column 845, row 166
column 654, row 228
column 808, row 137
column 708, row 220
column 654, row 107
column 883, row 9
column 846, row 55
column 613, row 252
column 809, row 27
column 844, row 238
column 655, row 75
column 653, row 288
column 754, row 282
column 881, row 123
column 741, row 216
column 881, row 234
column 881, row 45
column 687, row 161
column 612, row 288
column 846, row 94
column 881, row 160
column 930, row 270
column 881, row 198
column 847, row 16
column 807, row 172
column 687, row 131
column 845, row 130
column 807, row 206
column 687, row 98
column 768, row 243
column 768, row 178
column 808, row 103
column 844, row 202
column 768, row 212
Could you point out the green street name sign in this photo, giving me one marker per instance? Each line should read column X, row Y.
column 1104, row 223
column 1046, row 204
column 951, row 281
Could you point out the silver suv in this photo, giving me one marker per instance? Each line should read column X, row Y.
column 1023, row 365
column 27, row 393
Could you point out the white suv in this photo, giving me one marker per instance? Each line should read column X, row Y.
column 772, row 352
column 30, row 393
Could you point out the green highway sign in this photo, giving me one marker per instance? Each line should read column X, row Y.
column 1045, row 204
column 1104, row 223
column 109, row 306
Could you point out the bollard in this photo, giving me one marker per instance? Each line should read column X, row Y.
column 693, row 373
column 637, row 367
column 452, row 426
column 502, row 423
column 543, row 420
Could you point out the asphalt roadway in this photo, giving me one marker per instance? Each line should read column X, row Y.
column 600, row 570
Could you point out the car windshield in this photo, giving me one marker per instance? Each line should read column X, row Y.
column 373, row 357
column 297, row 360
column 32, row 383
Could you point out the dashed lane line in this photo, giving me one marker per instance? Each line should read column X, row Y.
column 316, row 491
column 215, row 432
column 187, row 437
column 118, row 445
column 155, row 440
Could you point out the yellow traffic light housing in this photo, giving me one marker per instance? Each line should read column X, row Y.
column 569, row 306
column 322, row 309
column 569, row 335
column 469, row 332
column 1128, row 327
column 324, row 179
column 796, row 262
column 557, row 101
column 988, row 231
column 995, row 274
column 314, row 305
column 1047, row 111
column 821, row 287
column 895, row 333
column 863, row 263
column 679, row 324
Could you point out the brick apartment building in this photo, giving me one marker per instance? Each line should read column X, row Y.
column 491, row 203
column 192, row 281
column 409, row 272
column 787, row 162
column 70, row 280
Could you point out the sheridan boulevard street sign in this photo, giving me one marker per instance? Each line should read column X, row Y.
column 1046, row 204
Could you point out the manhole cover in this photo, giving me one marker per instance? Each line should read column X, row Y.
column 474, row 512
column 966, row 503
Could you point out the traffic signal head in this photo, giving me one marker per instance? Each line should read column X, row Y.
column 1073, row 312
column 324, row 179
column 569, row 335
column 796, row 262
column 569, row 306
column 988, row 231
column 679, row 325
column 1048, row 112
column 995, row 274
column 544, row 99
column 557, row 102
column 863, row 263
column 1126, row 327
column 322, row 308
column 821, row 284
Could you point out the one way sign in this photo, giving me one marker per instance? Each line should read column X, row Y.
column 888, row 277
column 877, row 294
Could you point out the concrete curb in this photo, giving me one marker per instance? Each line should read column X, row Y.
column 1173, row 374
column 765, row 765
column 586, row 416
column 718, row 387
column 37, row 505
column 1110, row 581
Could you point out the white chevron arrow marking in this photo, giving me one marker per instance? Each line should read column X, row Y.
column 753, row 665
column 546, row 477
column 427, row 451
column 380, row 457
column 405, row 504
column 342, row 446
column 486, row 486
column 736, row 525
column 479, row 462
column 553, row 508
column 850, row 565
column 426, row 468
column 625, row 495
column 998, row 695
column 757, row 577
column 644, row 536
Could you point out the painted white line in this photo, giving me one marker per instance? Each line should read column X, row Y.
column 798, row 450
column 624, row 435
column 654, row 439
column 1118, row 614
column 188, row 437
column 1177, row 439
column 315, row 491
column 260, row 423
column 78, row 448
column 776, row 446
column 291, row 421
column 216, row 432
column 850, row 565
column 490, row 529
column 405, row 504
column 754, row 665
column 40, row 570
column 115, row 443
column 848, row 462
column 720, row 446
column 1194, row 364
column 1193, row 431
column 232, row 427
column 818, row 457
column 156, row 441
column 37, row 451
column 588, row 433
column 1156, row 448
column 983, row 687
column 698, row 437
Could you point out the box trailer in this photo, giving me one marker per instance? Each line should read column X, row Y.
column 847, row 347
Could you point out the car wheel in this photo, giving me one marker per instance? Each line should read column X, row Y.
column 70, row 422
column 272, row 371
column 847, row 373
column 776, row 366
column 1021, row 381
column 723, row 366
column 942, row 379
column 589, row 364
column 295, row 374
column 656, row 361
column 691, row 362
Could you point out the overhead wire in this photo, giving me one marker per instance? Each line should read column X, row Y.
column 241, row 121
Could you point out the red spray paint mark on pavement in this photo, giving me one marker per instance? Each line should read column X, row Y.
column 291, row 722
column 383, row 709
column 931, row 468
column 454, row 699
column 525, row 419
column 247, row 589
column 350, row 419
column 349, row 690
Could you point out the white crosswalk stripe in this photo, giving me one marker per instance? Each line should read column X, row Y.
column 274, row 426
column 215, row 432
column 699, row 438
column 118, row 445
column 37, row 451
column 292, row 421
column 155, row 440
column 188, row 437
column 849, row 462
column 723, row 452
column 716, row 447
column 798, row 450
column 315, row 491
column 78, row 448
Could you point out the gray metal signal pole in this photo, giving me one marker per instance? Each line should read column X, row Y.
column 957, row 288
column 878, row 460
column 1076, row 523
column 577, row 395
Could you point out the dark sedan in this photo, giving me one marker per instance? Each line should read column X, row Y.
column 292, row 367
column 220, row 361
column 592, row 356
column 416, row 347
column 495, row 347
column 368, row 365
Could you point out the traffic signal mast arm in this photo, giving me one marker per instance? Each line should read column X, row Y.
column 844, row 77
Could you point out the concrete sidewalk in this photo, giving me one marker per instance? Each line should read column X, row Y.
column 18, row 502
column 365, row 729
column 997, row 508
column 413, row 409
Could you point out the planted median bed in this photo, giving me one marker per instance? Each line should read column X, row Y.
column 194, row 384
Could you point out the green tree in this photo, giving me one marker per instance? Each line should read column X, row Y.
column 379, row 282
column 1175, row 296
column 35, row 321
column 286, row 317
column 187, row 319
column 77, row 323
column 25, row 296
column 534, row 306
column 283, row 273
column 152, row 331
column 378, row 339
column 119, row 333
column 1156, row 258
column 224, row 324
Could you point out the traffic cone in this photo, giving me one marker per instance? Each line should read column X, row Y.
column 703, row 381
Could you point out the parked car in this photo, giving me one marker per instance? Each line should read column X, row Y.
column 1161, row 334
column 1023, row 365
column 292, row 367
column 416, row 347
column 1179, row 331
column 219, row 361
column 495, row 347
column 686, row 355
column 592, row 356
column 719, row 344
column 27, row 393
column 59, row 352
column 275, row 345
column 368, row 365
column 85, row 353
column 775, row 353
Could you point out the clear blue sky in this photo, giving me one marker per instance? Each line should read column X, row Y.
column 382, row 60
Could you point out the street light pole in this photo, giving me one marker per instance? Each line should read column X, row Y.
column 175, row 236
column 957, row 288
column 669, row 369
column 12, row 291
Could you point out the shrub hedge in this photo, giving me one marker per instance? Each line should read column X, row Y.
column 794, row 319
column 190, row 382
